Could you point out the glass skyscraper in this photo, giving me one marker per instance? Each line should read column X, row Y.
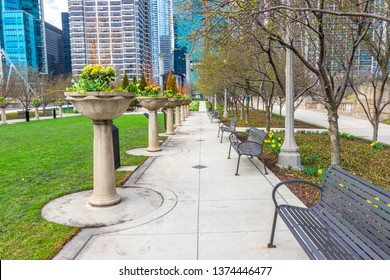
column 55, row 50
column 22, row 33
column 110, row 32
column 66, row 42
column 162, row 35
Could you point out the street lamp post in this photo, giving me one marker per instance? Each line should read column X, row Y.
column 225, row 113
column 289, row 156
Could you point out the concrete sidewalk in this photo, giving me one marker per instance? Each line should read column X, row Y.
column 197, row 208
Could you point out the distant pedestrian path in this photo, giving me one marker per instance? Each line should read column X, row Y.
column 353, row 126
column 202, row 106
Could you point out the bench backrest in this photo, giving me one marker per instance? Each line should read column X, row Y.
column 359, row 210
column 233, row 122
column 257, row 135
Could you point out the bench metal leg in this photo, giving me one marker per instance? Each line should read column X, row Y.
column 219, row 129
column 271, row 242
column 221, row 136
column 230, row 148
column 265, row 168
column 238, row 164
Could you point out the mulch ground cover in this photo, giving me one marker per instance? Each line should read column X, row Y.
column 357, row 157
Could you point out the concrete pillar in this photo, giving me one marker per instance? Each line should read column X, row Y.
column 154, row 144
column 289, row 155
column 104, row 189
column 182, row 114
column 188, row 74
column 36, row 113
column 215, row 102
column 225, row 113
column 161, row 66
column 3, row 116
column 170, row 127
column 177, row 116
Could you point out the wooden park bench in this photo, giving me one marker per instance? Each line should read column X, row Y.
column 252, row 146
column 227, row 127
column 351, row 220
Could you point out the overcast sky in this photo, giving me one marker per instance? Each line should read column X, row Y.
column 53, row 9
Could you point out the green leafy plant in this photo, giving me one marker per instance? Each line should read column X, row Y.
column 95, row 78
column 376, row 145
column 151, row 91
column 125, row 81
column 194, row 106
column 36, row 102
column 273, row 142
column 142, row 83
column 60, row 102
column 347, row 136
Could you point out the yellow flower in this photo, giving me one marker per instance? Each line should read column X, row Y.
column 280, row 145
column 388, row 204
column 320, row 171
column 372, row 144
column 349, row 135
column 273, row 145
column 279, row 139
column 273, row 141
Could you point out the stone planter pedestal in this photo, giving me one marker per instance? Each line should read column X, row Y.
column 3, row 113
column 152, row 104
column 186, row 108
column 170, row 115
column 177, row 114
column 182, row 112
column 36, row 113
column 102, row 108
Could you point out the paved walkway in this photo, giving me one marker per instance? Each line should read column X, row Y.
column 357, row 127
column 205, row 212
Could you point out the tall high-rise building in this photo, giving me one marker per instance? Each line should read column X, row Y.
column 179, row 52
column 66, row 43
column 162, row 34
column 22, row 33
column 55, row 50
column 110, row 32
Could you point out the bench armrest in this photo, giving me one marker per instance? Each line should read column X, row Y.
column 292, row 182
column 233, row 138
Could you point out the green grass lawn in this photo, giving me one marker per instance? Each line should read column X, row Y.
column 43, row 160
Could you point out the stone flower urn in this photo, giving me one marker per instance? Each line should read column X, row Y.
column 152, row 104
column 102, row 108
column 3, row 105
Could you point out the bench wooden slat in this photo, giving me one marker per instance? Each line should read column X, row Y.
column 351, row 220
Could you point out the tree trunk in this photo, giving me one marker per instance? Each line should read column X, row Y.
column 334, row 136
column 247, row 113
column 242, row 112
column 268, row 118
column 375, row 126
